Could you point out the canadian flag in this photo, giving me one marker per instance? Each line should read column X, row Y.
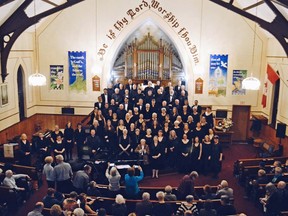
column 264, row 95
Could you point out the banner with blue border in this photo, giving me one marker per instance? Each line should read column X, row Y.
column 77, row 70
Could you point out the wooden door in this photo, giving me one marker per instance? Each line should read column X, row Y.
column 240, row 118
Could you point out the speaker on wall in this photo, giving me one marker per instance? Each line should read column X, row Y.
column 281, row 130
column 68, row 110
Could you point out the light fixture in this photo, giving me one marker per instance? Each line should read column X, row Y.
column 252, row 83
column 36, row 79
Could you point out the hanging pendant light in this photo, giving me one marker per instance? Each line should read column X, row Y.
column 252, row 83
column 36, row 79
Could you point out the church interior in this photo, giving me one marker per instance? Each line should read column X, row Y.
column 128, row 84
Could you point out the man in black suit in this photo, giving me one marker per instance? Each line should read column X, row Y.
column 99, row 104
column 170, row 98
column 177, row 88
column 117, row 97
column 121, row 112
column 127, row 105
column 145, row 206
column 129, row 85
column 198, row 107
column 106, row 98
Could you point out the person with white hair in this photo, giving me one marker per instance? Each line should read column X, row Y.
column 63, row 174
column 78, row 212
column 162, row 208
column 224, row 189
column 113, row 177
column 10, row 181
column 37, row 211
column 119, row 207
column 145, row 206
column 188, row 205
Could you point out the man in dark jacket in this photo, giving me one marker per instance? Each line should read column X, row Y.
column 145, row 206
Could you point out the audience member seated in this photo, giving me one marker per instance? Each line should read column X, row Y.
column 10, row 181
column 85, row 204
column 278, row 176
column 131, row 182
column 70, row 203
column 271, row 200
column 223, row 189
column 207, row 210
column 162, row 208
column 56, row 210
column 168, row 194
column 187, row 206
column 186, row 186
column 93, row 190
column 50, row 199
column 119, row 207
column 113, row 177
column 144, row 207
column 81, row 179
column 226, row 207
column 101, row 212
column 78, row 212
column 207, row 193
column 37, row 211
column 283, row 195
column 48, row 172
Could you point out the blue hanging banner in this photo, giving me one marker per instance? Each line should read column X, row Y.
column 218, row 75
column 77, row 71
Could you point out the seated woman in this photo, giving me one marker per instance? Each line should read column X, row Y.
column 119, row 207
column 85, row 205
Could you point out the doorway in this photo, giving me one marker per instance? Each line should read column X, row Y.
column 21, row 93
column 240, row 118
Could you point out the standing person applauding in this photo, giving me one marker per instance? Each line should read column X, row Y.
column 131, row 182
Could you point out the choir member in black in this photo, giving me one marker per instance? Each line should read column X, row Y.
column 96, row 127
column 161, row 116
column 92, row 116
column 155, row 127
column 196, row 107
column 148, row 88
column 206, row 154
column 173, row 147
column 149, row 96
column 199, row 132
column 147, row 113
column 120, row 128
column 109, row 114
column 182, row 97
column 43, row 147
column 167, row 119
column 25, row 151
column 114, row 120
column 187, row 131
column 126, row 96
column 177, row 88
column 105, row 111
column 184, row 155
column 139, row 96
column 79, row 139
column 177, row 105
column 121, row 112
column 117, row 96
column 133, row 94
column 195, row 115
column 211, row 134
column 154, row 117
column 110, row 138
column 216, row 157
column 196, row 155
column 165, row 105
column 59, row 147
column 166, row 130
column 140, row 105
column 177, row 128
column 170, row 98
column 121, row 90
column 101, row 121
column 132, row 135
column 185, row 114
column 143, row 128
column 113, row 105
column 148, row 137
column 94, row 143
column 154, row 108
column 186, row 103
column 129, row 85
column 181, row 123
column 140, row 120
column 127, row 105
column 162, row 141
column 127, row 121
column 135, row 138
column 135, row 116
column 174, row 114
column 68, row 139
column 209, row 117
column 156, row 157
column 105, row 96
column 143, row 151
column 159, row 98
column 204, row 125
column 99, row 104
column 54, row 135
column 191, row 123
column 124, row 145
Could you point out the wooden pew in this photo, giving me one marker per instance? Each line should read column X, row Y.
column 11, row 197
column 151, row 190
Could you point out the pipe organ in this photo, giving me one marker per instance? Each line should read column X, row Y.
column 148, row 59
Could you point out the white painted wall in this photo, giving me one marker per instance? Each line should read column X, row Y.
column 84, row 26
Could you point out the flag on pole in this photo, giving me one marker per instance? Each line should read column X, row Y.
column 264, row 95
column 272, row 75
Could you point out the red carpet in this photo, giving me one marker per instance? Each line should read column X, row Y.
column 233, row 153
